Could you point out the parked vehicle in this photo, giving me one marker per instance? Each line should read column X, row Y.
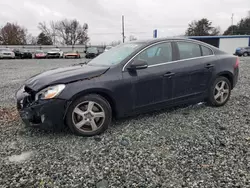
column 92, row 52
column 132, row 78
column 55, row 53
column 108, row 48
column 22, row 53
column 243, row 51
column 6, row 53
column 39, row 54
column 75, row 54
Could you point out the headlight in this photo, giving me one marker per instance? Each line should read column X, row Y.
column 50, row 92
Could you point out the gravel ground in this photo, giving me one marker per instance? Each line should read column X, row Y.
column 194, row 146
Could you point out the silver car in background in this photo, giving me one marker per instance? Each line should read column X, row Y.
column 6, row 53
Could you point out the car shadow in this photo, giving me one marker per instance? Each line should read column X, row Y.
column 65, row 131
column 194, row 106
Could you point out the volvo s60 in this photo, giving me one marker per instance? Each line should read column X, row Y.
column 132, row 78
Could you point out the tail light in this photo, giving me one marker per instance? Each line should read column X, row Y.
column 237, row 63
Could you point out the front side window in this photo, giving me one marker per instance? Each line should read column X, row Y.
column 206, row 51
column 188, row 50
column 160, row 53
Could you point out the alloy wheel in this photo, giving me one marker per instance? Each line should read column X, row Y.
column 88, row 116
column 221, row 92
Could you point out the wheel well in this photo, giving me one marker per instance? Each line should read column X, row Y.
column 104, row 95
column 229, row 77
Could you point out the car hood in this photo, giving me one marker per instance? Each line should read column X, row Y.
column 63, row 76
column 54, row 52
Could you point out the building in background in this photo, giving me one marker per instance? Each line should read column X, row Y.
column 226, row 43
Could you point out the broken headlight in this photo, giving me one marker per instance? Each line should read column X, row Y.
column 50, row 92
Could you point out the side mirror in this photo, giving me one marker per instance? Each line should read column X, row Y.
column 138, row 64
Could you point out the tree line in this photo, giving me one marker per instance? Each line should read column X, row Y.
column 65, row 32
column 72, row 32
column 204, row 27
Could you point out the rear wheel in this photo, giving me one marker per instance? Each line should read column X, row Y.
column 219, row 92
column 89, row 115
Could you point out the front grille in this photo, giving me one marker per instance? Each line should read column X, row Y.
column 7, row 53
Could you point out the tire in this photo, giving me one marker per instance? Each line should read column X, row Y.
column 214, row 93
column 84, row 102
column 245, row 54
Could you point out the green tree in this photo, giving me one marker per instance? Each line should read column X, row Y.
column 231, row 30
column 43, row 39
column 242, row 28
column 202, row 27
column 13, row 34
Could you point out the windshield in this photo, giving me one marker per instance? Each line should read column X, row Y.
column 39, row 51
column 115, row 55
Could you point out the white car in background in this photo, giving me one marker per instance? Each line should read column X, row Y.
column 108, row 48
column 6, row 53
column 55, row 53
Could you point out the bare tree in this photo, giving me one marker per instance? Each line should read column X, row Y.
column 49, row 31
column 30, row 39
column 66, row 31
column 72, row 32
column 44, row 28
column 13, row 34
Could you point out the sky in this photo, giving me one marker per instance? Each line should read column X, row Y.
column 169, row 17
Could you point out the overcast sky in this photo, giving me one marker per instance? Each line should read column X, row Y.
column 170, row 17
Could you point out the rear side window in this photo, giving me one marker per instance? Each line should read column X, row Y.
column 206, row 51
column 188, row 50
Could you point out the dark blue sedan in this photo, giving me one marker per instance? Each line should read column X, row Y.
column 132, row 78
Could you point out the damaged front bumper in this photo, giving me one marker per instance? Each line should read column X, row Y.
column 45, row 114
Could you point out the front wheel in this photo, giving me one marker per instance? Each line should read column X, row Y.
column 219, row 92
column 245, row 54
column 89, row 115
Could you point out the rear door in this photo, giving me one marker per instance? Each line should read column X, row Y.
column 192, row 71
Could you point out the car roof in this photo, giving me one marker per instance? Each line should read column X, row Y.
column 151, row 41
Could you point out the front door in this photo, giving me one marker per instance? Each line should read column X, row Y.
column 148, row 88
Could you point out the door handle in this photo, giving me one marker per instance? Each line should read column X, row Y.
column 169, row 74
column 208, row 66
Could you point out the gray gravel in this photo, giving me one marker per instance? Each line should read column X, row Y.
column 194, row 146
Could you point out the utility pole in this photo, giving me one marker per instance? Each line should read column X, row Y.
column 123, row 35
column 232, row 23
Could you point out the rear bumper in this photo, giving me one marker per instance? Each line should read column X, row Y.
column 236, row 76
column 45, row 114
column 40, row 57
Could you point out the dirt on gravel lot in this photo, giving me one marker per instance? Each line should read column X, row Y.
column 194, row 146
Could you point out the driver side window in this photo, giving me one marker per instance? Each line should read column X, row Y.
column 160, row 53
